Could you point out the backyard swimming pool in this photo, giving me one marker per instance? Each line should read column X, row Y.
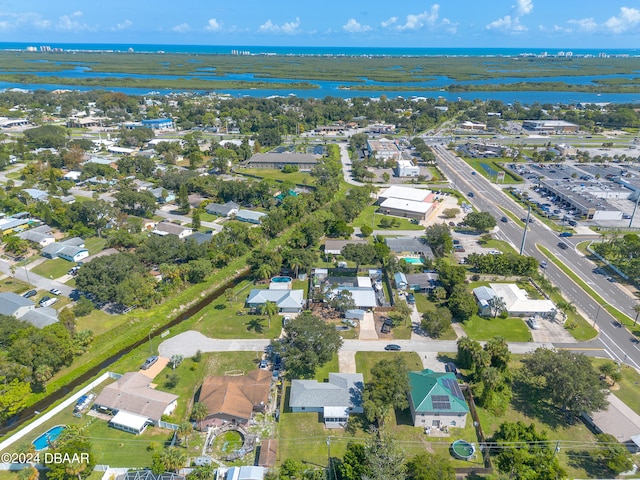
column 51, row 435
column 412, row 260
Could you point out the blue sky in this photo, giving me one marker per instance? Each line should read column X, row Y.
column 409, row 23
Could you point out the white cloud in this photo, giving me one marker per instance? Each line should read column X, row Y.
column 122, row 26
column 523, row 7
column 585, row 24
column 417, row 21
column 9, row 21
column 389, row 22
column 511, row 23
column 289, row 28
column 70, row 23
column 627, row 19
column 353, row 26
column 181, row 28
column 213, row 25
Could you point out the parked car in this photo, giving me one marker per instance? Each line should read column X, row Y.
column 263, row 365
column 393, row 347
column 411, row 300
column 55, row 291
column 149, row 362
column 30, row 294
column 563, row 245
column 573, row 223
column 451, row 367
column 533, row 324
column 566, row 234
column 47, row 301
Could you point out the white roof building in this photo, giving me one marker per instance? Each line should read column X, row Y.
column 406, row 205
column 363, row 297
column 406, row 193
column 517, row 301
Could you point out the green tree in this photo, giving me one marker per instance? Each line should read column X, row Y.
column 270, row 309
column 480, row 220
column 13, row 397
column 428, row 466
column 450, row 212
column 435, row 322
column 195, row 219
column 612, row 454
column 611, row 372
column 387, row 389
column 71, row 442
column 308, row 343
column 185, row 429
column 524, row 453
column 352, row 466
column 462, row 303
column 569, row 380
column 199, row 412
column 384, row 460
column 366, row 231
column 438, row 237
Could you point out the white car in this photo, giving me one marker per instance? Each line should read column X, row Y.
column 55, row 291
column 533, row 323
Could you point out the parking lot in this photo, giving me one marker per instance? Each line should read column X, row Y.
column 468, row 244
column 551, row 331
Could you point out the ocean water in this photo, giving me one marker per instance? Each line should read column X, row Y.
column 297, row 50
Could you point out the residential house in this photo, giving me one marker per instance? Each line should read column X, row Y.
column 39, row 235
column 234, row 399
column 200, row 238
column 13, row 224
column 422, row 282
column 400, row 280
column 250, row 216
column 72, row 250
column 166, row 227
column 134, row 403
column 162, row 195
column 334, row 247
column 24, row 309
column 36, row 194
column 409, row 246
column 288, row 301
column 436, row 401
column 363, row 297
column 335, row 399
column 247, row 472
column 223, row 210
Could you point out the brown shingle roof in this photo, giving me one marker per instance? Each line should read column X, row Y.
column 236, row 396
column 132, row 393
column 268, row 452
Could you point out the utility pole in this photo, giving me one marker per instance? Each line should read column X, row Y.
column 526, row 226
column 635, row 207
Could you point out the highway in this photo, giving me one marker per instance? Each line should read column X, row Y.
column 617, row 341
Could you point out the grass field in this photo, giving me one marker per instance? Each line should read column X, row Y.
column 52, row 268
column 493, row 163
column 301, row 178
column 511, row 329
column 13, row 285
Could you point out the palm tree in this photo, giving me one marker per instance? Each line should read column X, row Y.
column 199, row 412
column 636, row 308
column 264, row 271
column 184, row 432
column 173, row 459
column 270, row 309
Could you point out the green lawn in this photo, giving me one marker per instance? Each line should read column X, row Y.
column 366, row 360
column 13, row 285
column 302, row 178
column 494, row 163
column 628, row 388
column 221, row 318
column 55, row 268
column 95, row 244
column 423, row 304
column 322, row 373
column 511, row 329
column 367, row 215
column 501, row 245
column 99, row 322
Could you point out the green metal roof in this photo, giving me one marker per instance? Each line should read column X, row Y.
column 429, row 389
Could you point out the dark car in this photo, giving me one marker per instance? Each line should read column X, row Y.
column 393, row 347
column 566, row 234
column 149, row 362
column 563, row 246
column 451, row 367
column 573, row 223
column 44, row 299
column 411, row 299
column 30, row 294
column 470, row 194
column 504, row 219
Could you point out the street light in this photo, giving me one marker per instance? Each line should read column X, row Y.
column 597, row 313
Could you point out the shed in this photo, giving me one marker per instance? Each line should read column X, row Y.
column 129, row 422
column 401, row 280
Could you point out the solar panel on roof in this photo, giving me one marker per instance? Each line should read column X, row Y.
column 440, row 402
column 453, row 387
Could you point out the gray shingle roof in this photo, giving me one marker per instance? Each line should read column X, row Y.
column 10, row 303
column 342, row 390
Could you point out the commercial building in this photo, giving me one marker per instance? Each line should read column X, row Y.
column 589, row 199
column 406, row 193
column 406, row 168
column 304, row 161
column 550, row 126
column 516, row 301
column 405, row 208
column 384, row 149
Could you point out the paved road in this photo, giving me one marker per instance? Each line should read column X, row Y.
column 188, row 344
column 487, row 197
column 37, row 281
